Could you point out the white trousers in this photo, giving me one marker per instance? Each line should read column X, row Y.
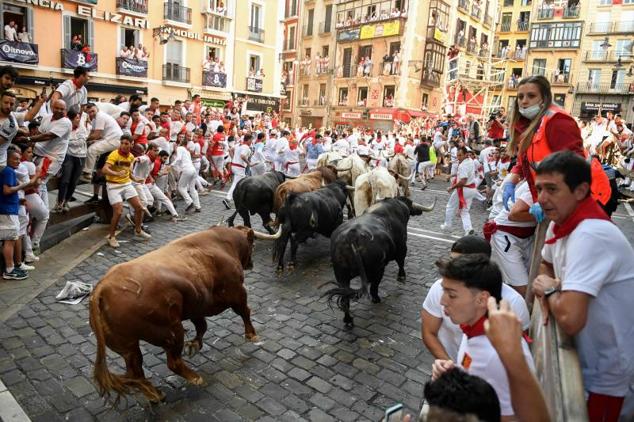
column 452, row 208
column 311, row 163
column 96, row 149
column 187, row 187
column 238, row 174
column 293, row 170
column 161, row 198
column 258, row 169
column 38, row 211
column 513, row 255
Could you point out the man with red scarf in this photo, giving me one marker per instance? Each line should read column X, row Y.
column 463, row 190
column 73, row 91
column 586, row 281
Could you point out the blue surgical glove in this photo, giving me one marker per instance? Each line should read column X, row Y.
column 536, row 211
column 508, row 193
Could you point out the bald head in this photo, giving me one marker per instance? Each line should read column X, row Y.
column 59, row 109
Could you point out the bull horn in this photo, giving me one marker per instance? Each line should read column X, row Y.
column 221, row 222
column 423, row 207
column 402, row 177
column 348, row 169
column 350, row 188
column 266, row 236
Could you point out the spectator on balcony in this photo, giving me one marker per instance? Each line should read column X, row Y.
column 396, row 62
column 24, row 36
column 387, row 64
column 220, row 9
column 395, row 13
column 317, row 64
column 207, row 63
column 367, row 66
column 260, row 74
column 360, row 67
column 10, row 32
column 76, row 43
column 384, row 15
column 87, row 53
column 125, row 52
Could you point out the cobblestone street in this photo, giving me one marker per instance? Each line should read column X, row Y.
column 305, row 367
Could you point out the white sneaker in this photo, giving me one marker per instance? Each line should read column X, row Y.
column 112, row 241
column 444, row 227
column 141, row 235
column 469, row 232
column 25, row 267
column 28, row 258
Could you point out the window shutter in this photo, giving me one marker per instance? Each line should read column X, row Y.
column 91, row 36
column 29, row 24
column 67, row 34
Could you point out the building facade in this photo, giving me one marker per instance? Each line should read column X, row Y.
column 605, row 80
column 212, row 48
column 290, row 57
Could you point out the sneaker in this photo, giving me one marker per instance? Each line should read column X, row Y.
column 112, row 241
column 141, row 235
column 15, row 275
column 226, row 204
column 25, row 267
column 469, row 232
column 176, row 218
column 29, row 259
column 92, row 200
column 66, row 207
column 444, row 227
column 189, row 207
column 58, row 208
column 35, row 248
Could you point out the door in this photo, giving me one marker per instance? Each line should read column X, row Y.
column 347, row 62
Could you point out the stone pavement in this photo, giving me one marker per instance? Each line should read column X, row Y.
column 306, row 367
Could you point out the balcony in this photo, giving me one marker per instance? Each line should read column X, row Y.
column 484, row 52
column 472, row 47
column 488, row 20
column 463, row 5
column 561, row 79
column 304, row 102
column 460, row 41
column 308, row 30
column 571, row 12
column 505, row 27
column 131, row 67
column 216, row 23
column 522, row 26
column 214, row 79
column 607, row 56
column 73, row 58
column 431, row 78
column 175, row 73
column 589, row 87
column 177, row 13
column 24, row 53
column 475, row 11
column 137, row 6
column 622, row 27
column 355, row 71
column 256, row 34
column 254, row 84
column 545, row 13
column 208, row 9
column 325, row 29
column 321, row 102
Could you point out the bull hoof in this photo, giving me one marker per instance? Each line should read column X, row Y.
column 376, row 300
column 191, row 348
column 290, row 266
column 197, row 380
column 348, row 325
column 156, row 397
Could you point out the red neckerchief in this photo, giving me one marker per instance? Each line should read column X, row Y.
column 77, row 86
column 586, row 210
column 476, row 329
column 124, row 154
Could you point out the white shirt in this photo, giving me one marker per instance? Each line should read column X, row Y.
column 466, row 170
column 142, row 167
column 109, row 126
column 450, row 334
column 175, row 128
column 24, row 37
column 341, row 146
column 56, row 147
column 73, row 97
column 598, row 260
column 292, row 155
column 162, row 143
column 10, row 34
column 77, row 142
column 241, row 150
column 485, row 154
column 112, row 110
column 8, row 130
column 281, row 147
column 453, row 155
column 522, row 193
column 183, row 159
column 478, row 357
column 194, row 148
column 270, row 148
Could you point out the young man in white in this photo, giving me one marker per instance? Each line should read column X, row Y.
column 512, row 239
column 440, row 335
column 73, row 91
column 104, row 137
column 586, row 281
column 269, row 150
column 239, row 164
column 281, row 149
column 184, row 166
column 468, row 281
column 462, row 190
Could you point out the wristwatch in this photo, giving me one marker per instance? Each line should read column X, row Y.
column 550, row 291
column 28, row 139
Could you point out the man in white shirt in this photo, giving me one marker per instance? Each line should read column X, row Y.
column 105, row 135
column 239, row 165
column 187, row 181
column 270, row 148
column 468, row 281
column 162, row 142
column 440, row 335
column 281, row 149
column 586, row 281
column 342, row 146
column 10, row 122
column 10, row 32
column 73, row 91
column 462, row 191
column 176, row 125
column 485, row 156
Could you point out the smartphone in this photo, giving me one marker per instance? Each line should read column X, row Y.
column 394, row 413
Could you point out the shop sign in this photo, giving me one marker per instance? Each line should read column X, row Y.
column 380, row 116
column 263, row 104
column 131, row 67
column 350, row 115
column 215, row 79
column 208, row 102
column 18, row 52
column 387, row 29
column 181, row 33
column 348, row 35
column 605, row 107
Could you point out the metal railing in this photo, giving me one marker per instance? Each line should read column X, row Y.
column 325, row 29
column 355, row 71
column 604, row 88
column 464, row 5
column 177, row 13
column 320, row 102
column 216, row 23
column 308, row 30
column 561, row 79
column 522, row 26
column 505, row 27
column 545, row 13
column 139, row 6
column 67, row 59
column 431, row 78
column 176, row 73
column 572, row 11
column 620, row 27
column 256, row 34
column 607, row 56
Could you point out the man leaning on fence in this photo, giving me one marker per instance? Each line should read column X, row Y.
column 586, row 281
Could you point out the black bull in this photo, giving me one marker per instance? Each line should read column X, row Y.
column 306, row 214
column 364, row 246
column 254, row 195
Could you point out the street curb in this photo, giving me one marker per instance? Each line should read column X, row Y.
column 10, row 410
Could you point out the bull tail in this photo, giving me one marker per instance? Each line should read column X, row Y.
column 341, row 293
column 106, row 381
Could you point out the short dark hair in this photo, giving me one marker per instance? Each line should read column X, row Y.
column 90, row 105
column 463, row 149
column 247, row 137
column 475, row 271
column 8, row 70
column 471, row 244
column 572, row 166
column 465, row 394
column 8, row 94
column 124, row 113
column 126, row 137
column 154, row 99
column 195, row 96
column 71, row 114
column 133, row 110
column 135, row 97
column 80, row 71
column 220, row 129
column 164, row 153
column 261, row 135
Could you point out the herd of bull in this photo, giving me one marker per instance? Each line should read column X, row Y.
column 202, row 274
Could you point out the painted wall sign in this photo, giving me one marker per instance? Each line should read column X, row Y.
column 350, row 115
column 182, row 33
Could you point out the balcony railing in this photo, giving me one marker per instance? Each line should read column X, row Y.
column 207, row 7
column 561, row 79
column 572, row 11
column 472, row 47
column 463, row 5
column 256, row 34
column 355, row 71
column 254, row 84
column 325, row 29
column 431, row 78
column 138, row 6
column 19, row 52
column 545, row 13
column 177, row 13
column 215, row 22
column 320, row 102
column 176, row 73
column 304, row 102
column 620, row 27
column 131, row 67
column 488, row 20
column 605, row 88
column 308, row 30
column 505, row 27
column 522, row 26
column 484, row 52
column 475, row 10
column 607, row 56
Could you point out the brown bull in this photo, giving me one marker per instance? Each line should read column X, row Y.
column 147, row 298
column 307, row 182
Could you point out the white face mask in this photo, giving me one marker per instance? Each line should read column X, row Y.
column 530, row 112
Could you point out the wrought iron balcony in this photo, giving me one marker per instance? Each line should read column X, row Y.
column 624, row 88
column 572, row 11
column 522, row 26
column 561, row 79
column 176, row 73
column 621, row 27
column 505, row 27
column 463, row 5
column 138, row 6
column 177, row 13
column 256, row 34
column 545, row 13
column 607, row 56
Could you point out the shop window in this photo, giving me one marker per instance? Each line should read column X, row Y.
column 20, row 17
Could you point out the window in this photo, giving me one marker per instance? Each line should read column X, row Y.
column 511, row 104
column 506, row 22
column 594, row 78
column 325, row 51
column 77, row 26
column 560, row 99
column 291, row 38
column 539, row 67
column 310, row 21
column 254, row 63
column 322, row 94
column 328, row 22
column 602, row 22
column 438, row 18
column 617, row 80
column 433, row 63
column 394, row 47
column 213, row 53
column 526, row 2
column 308, row 52
column 365, row 51
column 624, row 48
column 388, row 96
column 362, row 96
column 508, row 3
column 556, row 35
column 343, row 96
column 130, row 37
column 425, row 101
column 21, row 17
column 347, row 62
column 597, row 52
column 605, row 2
column 291, row 8
column 256, row 15
column 174, row 52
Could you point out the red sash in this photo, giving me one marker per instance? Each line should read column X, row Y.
column 462, row 203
